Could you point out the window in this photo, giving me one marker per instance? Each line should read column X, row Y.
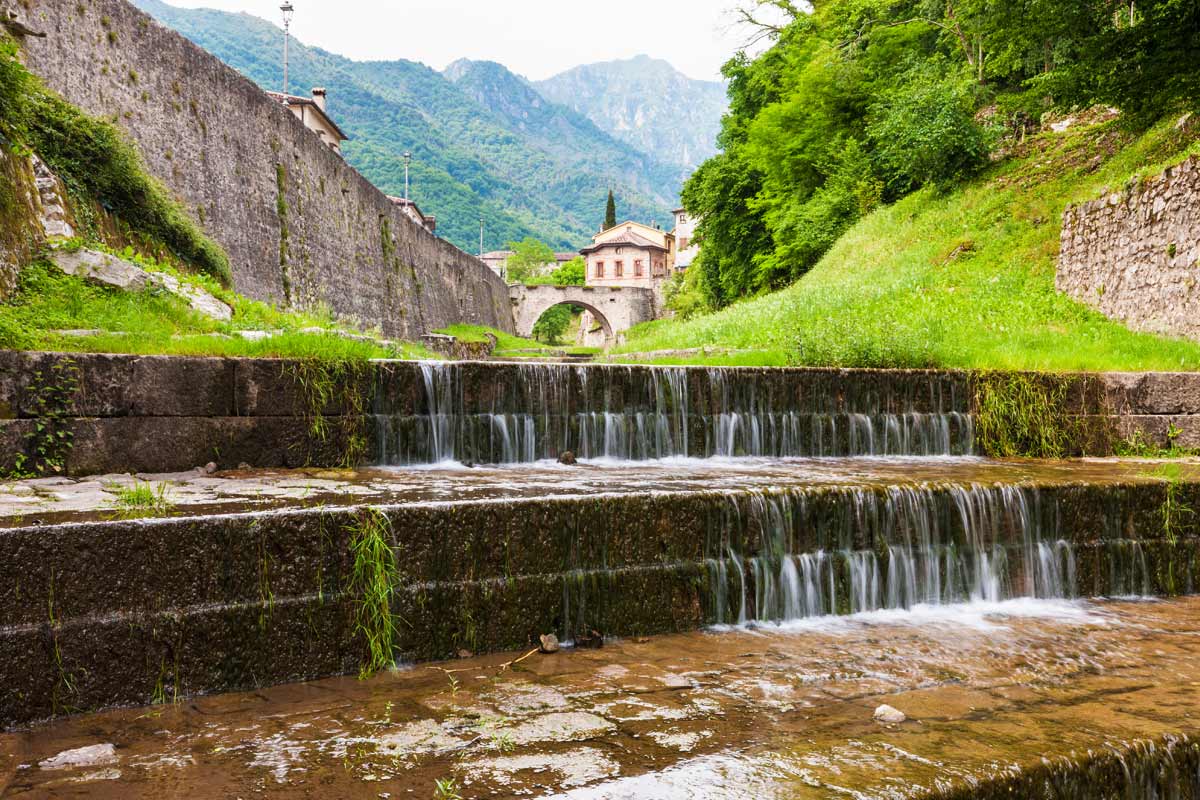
column 659, row 267
column 639, row 268
column 683, row 219
column 683, row 243
column 599, row 269
column 618, row 269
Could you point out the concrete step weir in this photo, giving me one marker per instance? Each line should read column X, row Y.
column 96, row 611
column 122, row 413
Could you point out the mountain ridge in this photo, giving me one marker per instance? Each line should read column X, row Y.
column 472, row 156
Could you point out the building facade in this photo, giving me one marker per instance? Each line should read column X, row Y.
column 630, row 254
column 311, row 111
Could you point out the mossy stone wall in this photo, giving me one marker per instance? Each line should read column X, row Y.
column 300, row 226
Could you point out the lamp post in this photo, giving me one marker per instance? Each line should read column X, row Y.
column 481, row 236
column 287, row 10
column 407, row 159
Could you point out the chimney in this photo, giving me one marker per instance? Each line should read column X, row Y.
column 319, row 97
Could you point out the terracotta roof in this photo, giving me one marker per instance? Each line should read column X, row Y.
column 294, row 100
column 627, row 238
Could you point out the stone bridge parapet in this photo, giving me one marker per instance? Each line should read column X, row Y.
column 616, row 308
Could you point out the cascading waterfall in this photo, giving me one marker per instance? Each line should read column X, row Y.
column 800, row 554
column 539, row 411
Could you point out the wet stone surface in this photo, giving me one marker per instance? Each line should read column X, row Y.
column 54, row 500
column 768, row 712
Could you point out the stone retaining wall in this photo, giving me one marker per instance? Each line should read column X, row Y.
column 1135, row 254
column 299, row 224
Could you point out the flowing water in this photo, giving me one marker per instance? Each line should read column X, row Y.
column 791, row 555
column 1061, row 699
column 636, row 414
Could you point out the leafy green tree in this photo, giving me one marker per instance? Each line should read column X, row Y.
column 572, row 273
column 529, row 256
column 553, row 324
column 610, row 212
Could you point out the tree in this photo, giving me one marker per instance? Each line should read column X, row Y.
column 529, row 256
column 610, row 212
column 572, row 273
column 553, row 324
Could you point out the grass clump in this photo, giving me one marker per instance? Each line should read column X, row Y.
column 373, row 579
column 1020, row 415
column 326, row 381
column 142, row 499
column 902, row 288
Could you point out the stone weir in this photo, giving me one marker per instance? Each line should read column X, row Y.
column 130, row 611
column 94, row 414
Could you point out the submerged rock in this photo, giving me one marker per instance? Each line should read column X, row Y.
column 567, row 458
column 549, row 643
column 889, row 716
column 95, row 755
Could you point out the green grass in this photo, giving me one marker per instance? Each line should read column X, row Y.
column 142, row 500
column 964, row 279
column 148, row 322
column 510, row 345
column 375, row 576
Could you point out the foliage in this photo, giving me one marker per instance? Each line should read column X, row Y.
column 335, row 382
column 553, row 324
column 610, row 211
column 862, row 102
column 528, row 257
column 1023, row 415
column 571, row 273
column 50, row 396
column 959, row 279
column 373, row 580
column 96, row 163
column 142, row 500
column 683, row 295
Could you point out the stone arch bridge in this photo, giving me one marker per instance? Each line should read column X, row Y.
column 616, row 308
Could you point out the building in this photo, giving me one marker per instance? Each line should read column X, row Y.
column 311, row 111
column 630, row 254
column 413, row 212
column 685, row 236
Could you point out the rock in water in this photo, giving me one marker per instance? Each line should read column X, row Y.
column 593, row 639
column 567, row 458
column 889, row 716
column 95, row 755
column 549, row 643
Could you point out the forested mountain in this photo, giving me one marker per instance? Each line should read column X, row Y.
column 471, row 157
column 647, row 103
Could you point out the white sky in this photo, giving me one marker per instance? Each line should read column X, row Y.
column 534, row 38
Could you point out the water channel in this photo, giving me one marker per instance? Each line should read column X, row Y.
column 833, row 551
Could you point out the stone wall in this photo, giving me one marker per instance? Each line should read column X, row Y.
column 300, row 226
column 1135, row 254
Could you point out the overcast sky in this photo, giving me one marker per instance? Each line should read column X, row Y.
column 535, row 38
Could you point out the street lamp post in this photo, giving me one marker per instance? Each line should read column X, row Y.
column 407, row 159
column 287, row 10
column 481, row 236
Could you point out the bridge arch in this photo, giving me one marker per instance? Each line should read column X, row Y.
column 616, row 308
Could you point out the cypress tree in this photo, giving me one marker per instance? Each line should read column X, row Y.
column 610, row 212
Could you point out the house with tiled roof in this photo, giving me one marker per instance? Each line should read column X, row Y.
column 630, row 254
column 312, row 112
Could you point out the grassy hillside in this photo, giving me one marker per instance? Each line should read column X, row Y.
column 964, row 279
column 468, row 160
